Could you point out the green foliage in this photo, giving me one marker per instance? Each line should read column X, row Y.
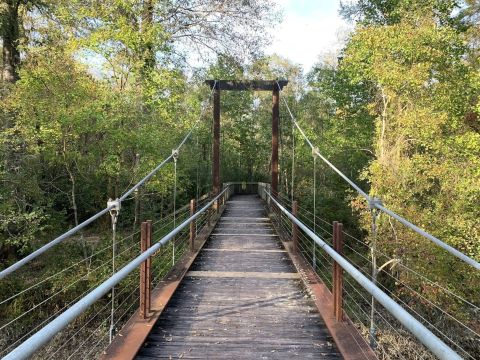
column 426, row 150
column 104, row 95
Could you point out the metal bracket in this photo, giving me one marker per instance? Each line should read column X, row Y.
column 116, row 206
column 373, row 202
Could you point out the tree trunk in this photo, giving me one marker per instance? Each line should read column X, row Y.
column 148, row 55
column 73, row 194
column 10, row 38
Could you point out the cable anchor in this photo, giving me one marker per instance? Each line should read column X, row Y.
column 114, row 212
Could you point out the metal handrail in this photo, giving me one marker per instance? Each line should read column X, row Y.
column 109, row 207
column 375, row 203
column 425, row 336
column 430, row 237
column 34, row 342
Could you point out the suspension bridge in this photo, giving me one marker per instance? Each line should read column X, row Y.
column 242, row 272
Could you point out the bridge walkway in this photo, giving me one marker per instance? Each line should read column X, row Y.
column 242, row 298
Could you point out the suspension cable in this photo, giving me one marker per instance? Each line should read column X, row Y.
column 175, row 158
column 314, row 257
column 34, row 342
column 293, row 160
column 114, row 212
column 376, row 203
column 373, row 330
column 197, row 193
column 425, row 336
column 80, row 226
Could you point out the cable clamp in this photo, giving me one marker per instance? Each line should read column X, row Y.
column 373, row 202
column 116, row 206
column 175, row 154
column 315, row 151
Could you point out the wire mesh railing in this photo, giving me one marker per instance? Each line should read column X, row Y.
column 459, row 330
column 50, row 293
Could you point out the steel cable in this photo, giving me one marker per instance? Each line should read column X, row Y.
column 17, row 265
column 375, row 203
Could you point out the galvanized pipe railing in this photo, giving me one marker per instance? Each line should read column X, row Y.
column 375, row 203
column 425, row 336
column 36, row 341
column 109, row 207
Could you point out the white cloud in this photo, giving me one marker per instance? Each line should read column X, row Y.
column 303, row 36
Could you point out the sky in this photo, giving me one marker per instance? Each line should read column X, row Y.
column 310, row 28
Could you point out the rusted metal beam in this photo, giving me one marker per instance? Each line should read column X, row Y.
column 294, row 226
column 216, row 142
column 192, row 225
column 145, row 269
column 337, row 284
column 148, row 274
column 242, row 85
column 275, row 123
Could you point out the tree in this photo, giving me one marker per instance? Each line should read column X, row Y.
column 390, row 12
column 10, row 27
column 426, row 152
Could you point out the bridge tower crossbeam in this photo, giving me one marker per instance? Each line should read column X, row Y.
column 244, row 85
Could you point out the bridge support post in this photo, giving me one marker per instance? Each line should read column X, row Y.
column 145, row 269
column 275, row 121
column 192, row 225
column 294, row 226
column 337, row 287
column 216, row 142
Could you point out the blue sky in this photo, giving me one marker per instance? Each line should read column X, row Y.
column 310, row 28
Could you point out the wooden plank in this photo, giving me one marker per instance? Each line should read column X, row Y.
column 248, row 250
column 245, row 218
column 243, row 274
column 251, row 235
column 242, row 304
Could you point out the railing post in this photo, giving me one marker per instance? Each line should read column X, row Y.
column 148, row 276
column 294, row 226
column 143, row 270
column 337, row 287
column 192, row 225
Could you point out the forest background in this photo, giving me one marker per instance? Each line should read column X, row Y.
column 95, row 93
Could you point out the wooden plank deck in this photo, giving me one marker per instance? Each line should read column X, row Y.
column 241, row 299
